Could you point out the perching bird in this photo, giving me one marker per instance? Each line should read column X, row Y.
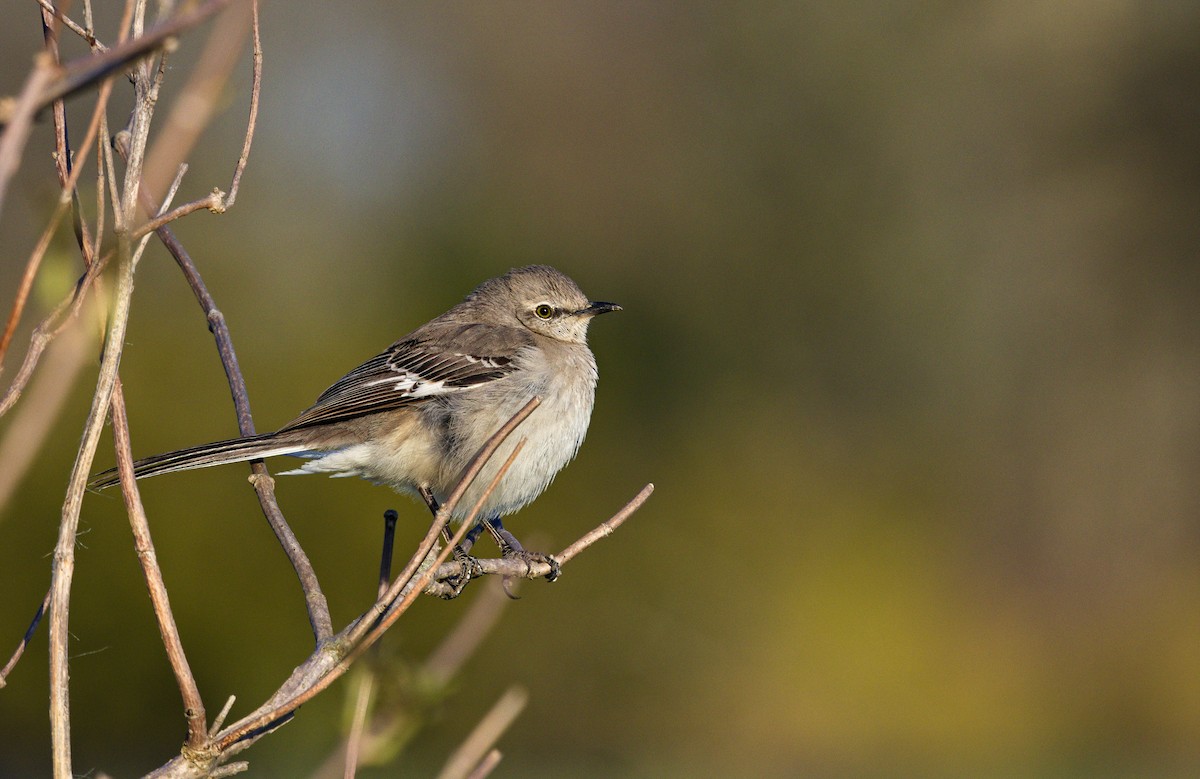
column 415, row 415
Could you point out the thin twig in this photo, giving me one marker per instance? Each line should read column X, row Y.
column 251, row 123
column 444, row 513
column 193, row 705
column 22, row 110
column 264, row 486
column 219, row 721
column 200, row 97
column 66, row 21
column 366, row 686
column 213, row 202
column 535, row 570
column 35, row 259
column 12, row 661
column 480, row 741
column 62, row 147
column 64, row 552
column 357, row 638
column 63, row 569
column 607, row 527
column 82, row 73
column 486, row 765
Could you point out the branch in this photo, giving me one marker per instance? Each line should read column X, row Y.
column 525, row 569
column 193, row 705
column 64, row 552
column 63, row 570
column 360, row 635
column 214, row 202
column 201, row 97
column 479, row 743
column 12, row 661
column 63, row 152
column 48, row 10
column 395, row 726
column 331, row 659
column 252, row 121
column 80, row 74
column 366, row 686
column 68, row 169
column 264, row 485
column 21, row 112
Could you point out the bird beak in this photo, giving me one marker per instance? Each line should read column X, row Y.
column 596, row 308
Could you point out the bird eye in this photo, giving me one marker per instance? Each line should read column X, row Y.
column 544, row 311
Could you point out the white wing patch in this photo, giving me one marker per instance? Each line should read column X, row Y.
column 413, row 385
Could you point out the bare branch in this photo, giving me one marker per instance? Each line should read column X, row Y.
column 476, row 746
column 12, row 661
column 213, row 202
column 41, row 338
column 323, row 668
column 252, row 122
column 64, row 551
column 82, row 73
column 49, row 9
column 200, row 97
column 366, row 687
column 219, row 720
column 389, row 728
column 264, row 485
column 607, row 527
column 486, row 765
column 525, row 569
column 193, row 705
column 22, row 111
column 23, row 438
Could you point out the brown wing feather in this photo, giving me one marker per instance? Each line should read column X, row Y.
column 417, row 368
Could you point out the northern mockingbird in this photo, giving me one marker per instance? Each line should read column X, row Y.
column 415, row 415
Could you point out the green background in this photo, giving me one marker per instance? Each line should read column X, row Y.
column 910, row 348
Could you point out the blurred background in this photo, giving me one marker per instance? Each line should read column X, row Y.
column 910, row 348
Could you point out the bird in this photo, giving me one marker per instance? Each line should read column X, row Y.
column 413, row 416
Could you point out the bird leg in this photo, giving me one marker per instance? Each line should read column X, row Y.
column 469, row 564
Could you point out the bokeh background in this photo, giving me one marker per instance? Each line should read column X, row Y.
column 910, row 348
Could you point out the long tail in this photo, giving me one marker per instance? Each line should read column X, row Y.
column 235, row 450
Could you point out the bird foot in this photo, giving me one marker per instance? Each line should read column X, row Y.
column 459, row 582
column 529, row 558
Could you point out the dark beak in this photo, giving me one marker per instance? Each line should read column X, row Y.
column 596, row 308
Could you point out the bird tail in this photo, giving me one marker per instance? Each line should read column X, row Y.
column 234, row 450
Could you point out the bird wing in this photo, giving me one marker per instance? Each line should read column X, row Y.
column 430, row 363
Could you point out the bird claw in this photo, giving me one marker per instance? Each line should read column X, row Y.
column 530, row 558
column 459, row 582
